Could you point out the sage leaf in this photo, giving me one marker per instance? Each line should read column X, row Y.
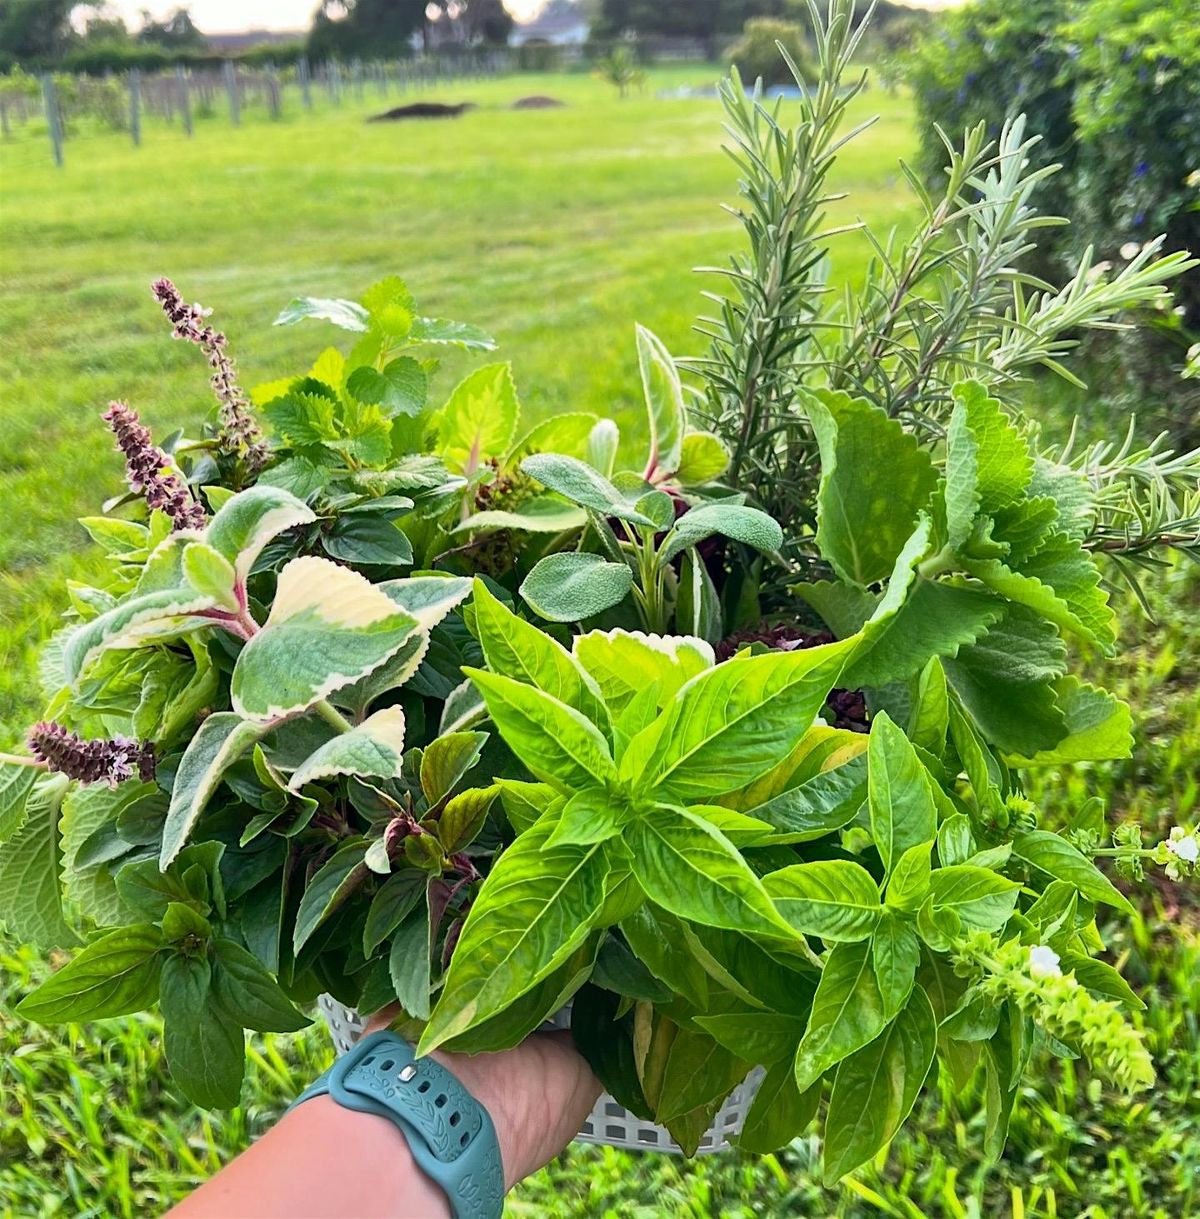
column 665, row 410
column 570, row 586
column 582, row 485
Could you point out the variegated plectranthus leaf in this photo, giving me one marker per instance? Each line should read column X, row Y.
column 328, row 627
column 372, row 749
column 427, row 598
column 247, row 522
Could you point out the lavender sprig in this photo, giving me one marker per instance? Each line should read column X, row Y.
column 111, row 762
column 147, row 468
column 240, row 435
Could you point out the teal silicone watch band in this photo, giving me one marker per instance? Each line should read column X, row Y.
column 449, row 1132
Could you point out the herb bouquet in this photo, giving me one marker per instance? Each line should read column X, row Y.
column 404, row 704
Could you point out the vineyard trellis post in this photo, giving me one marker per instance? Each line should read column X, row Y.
column 231, row 87
column 185, row 100
column 53, row 117
column 135, row 106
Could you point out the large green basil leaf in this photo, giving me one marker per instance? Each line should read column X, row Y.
column 396, row 899
column 848, row 1012
column 982, row 899
column 691, row 869
column 113, row 976
column 780, row 1112
column 756, row 1037
column 875, row 1089
column 248, row 993
column 657, row 940
column 558, row 744
column 205, row 1046
column 605, row 1040
column 627, row 663
column 1058, row 858
column 519, row 650
column 536, row 907
column 834, row 899
column 699, row 1070
column 732, row 723
column 822, row 804
column 328, row 627
column 895, row 955
column 903, row 812
column 219, row 742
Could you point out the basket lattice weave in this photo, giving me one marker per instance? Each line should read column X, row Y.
column 609, row 1122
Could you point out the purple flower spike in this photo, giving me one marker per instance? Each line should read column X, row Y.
column 110, row 762
column 147, row 468
column 240, row 434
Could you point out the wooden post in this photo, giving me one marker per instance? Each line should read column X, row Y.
column 273, row 92
column 185, row 99
column 231, row 87
column 53, row 118
column 135, row 106
column 302, row 75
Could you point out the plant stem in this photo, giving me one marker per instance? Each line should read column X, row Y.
column 18, row 759
column 331, row 715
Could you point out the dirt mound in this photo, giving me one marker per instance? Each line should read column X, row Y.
column 538, row 102
column 422, row 110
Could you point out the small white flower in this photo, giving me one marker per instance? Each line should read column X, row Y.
column 1193, row 179
column 1184, row 846
column 1131, row 249
column 1043, row 962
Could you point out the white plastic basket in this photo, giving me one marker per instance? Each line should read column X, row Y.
column 609, row 1123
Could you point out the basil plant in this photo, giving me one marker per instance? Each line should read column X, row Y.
column 406, row 704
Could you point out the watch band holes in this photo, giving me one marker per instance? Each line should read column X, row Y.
column 423, row 1086
column 466, row 1138
column 455, row 1118
column 388, row 1065
column 440, row 1100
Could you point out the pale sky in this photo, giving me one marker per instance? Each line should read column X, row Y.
column 227, row 16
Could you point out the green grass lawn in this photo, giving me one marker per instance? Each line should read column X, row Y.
column 556, row 230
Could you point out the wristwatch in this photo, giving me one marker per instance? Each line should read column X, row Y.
column 449, row 1132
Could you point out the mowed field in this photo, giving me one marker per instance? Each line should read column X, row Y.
column 556, row 230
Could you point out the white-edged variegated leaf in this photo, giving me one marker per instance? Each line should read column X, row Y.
column 390, row 675
column 151, row 618
column 247, row 522
column 220, row 741
column 373, row 749
column 328, row 627
column 427, row 598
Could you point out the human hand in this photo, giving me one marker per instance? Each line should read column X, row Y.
column 537, row 1094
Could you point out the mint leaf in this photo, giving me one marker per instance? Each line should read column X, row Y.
column 248, row 993
column 205, row 1046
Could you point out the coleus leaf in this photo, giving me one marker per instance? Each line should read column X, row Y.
column 328, row 627
column 373, row 749
column 535, row 908
column 567, row 433
column 16, row 782
column 400, row 387
column 480, row 419
column 875, row 479
column 450, row 334
column 732, row 723
column 703, row 458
